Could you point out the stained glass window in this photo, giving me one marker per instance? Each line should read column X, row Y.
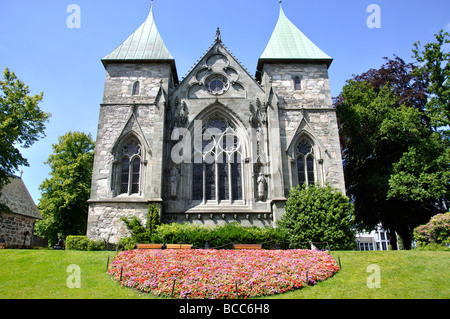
column 130, row 168
column 301, row 170
column 236, row 176
column 197, row 192
column 305, row 163
column 221, row 176
column 136, row 165
column 125, row 175
column 210, row 185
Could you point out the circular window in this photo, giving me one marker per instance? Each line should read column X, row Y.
column 217, row 84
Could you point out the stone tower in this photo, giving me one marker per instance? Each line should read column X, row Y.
column 294, row 72
column 128, row 161
column 220, row 146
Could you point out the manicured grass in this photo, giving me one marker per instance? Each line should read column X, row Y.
column 403, row 274
column 43, row 274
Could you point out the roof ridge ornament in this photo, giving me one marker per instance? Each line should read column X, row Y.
column 218, row 36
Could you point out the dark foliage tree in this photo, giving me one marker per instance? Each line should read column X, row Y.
column 396, row 161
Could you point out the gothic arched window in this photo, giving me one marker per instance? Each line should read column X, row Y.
column 136, row 88
column 305, row 163
column 130, row 168
column 217, row 167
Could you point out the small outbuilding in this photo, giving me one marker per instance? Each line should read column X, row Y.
column 17, row 226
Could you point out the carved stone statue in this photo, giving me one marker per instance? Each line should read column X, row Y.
column 218, row 36
column 261, row 186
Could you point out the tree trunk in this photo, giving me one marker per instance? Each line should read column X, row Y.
column 393, row 239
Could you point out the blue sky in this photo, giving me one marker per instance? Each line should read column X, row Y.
column 64, row 63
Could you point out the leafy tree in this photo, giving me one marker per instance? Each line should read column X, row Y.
column 435, row 63
column 63, row 204
column 395, row 159
column 422, row 175
column 22, row 123
column 318, row 214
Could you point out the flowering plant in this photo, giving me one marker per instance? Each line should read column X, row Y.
column 437, row 230
column 221, row 273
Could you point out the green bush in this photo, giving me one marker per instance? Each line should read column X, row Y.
column 77, row 242
column 126, row 243
column 318, row 214
column 83, row 243
column 197, row 235
column 436, row 231
column 143, row 234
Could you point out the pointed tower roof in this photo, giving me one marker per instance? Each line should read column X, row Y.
column 145, row 44
column 289, row 43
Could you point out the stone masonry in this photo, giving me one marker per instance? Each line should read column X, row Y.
column 220, row 146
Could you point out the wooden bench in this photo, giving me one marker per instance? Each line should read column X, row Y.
column 149, row 246
column 179, row 246
column 160, row 246
column 247, row 246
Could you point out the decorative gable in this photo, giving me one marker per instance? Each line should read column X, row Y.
column 217, row 75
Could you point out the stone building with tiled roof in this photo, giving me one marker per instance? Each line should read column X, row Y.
column 17, row 226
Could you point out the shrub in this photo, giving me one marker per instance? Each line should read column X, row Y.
column 83, row 243
column 436, row 231
column 318, row 214
column 77, row 242
column 197, row 235
column 126, row 243
column 140, row 233
column 96, row 245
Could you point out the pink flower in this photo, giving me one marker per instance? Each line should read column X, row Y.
column 214, row 273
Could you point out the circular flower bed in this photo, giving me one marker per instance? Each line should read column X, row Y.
column 221, row 273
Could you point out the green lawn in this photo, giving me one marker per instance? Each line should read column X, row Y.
column 403, row 274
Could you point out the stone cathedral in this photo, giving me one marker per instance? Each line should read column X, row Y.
column 220, row 145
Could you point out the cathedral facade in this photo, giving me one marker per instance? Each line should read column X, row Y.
column 219, row 146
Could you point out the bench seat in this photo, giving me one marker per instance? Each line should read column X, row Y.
column 247, row 246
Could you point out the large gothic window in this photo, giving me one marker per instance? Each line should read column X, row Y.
column 305, row 163
column 217, row 166
column 130, row 167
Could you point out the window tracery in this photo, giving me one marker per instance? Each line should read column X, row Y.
column 217, row 167
column 305, row 163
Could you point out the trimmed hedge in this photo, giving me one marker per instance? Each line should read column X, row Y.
column 84, row 243
column 217, row 236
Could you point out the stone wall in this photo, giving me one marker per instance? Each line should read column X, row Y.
column 315, row 84
column 105, row 219
column 152, row 116
column 13, row 228
column 306, row 112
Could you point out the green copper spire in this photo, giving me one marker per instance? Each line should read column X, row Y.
column 144, row 44
column 289, row 43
